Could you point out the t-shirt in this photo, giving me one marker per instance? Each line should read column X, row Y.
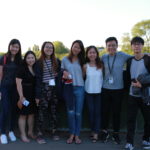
column 117, row 71
column 47, row 71
column 75, row 70
column 135, row 72
column 9, row 72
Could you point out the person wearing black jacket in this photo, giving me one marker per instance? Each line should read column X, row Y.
column 47, row 70
column 136, row 66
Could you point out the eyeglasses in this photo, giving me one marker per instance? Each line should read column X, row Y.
column 136, row 44
column 49, row 47
column 112, row 45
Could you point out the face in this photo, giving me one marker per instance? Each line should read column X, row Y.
column 48, row 49
column 111, row 47
column 76, row 49
column 92, row 55
column 30, row 60
column 14, row 49
column 137, row 48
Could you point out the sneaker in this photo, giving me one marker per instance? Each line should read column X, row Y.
column 116, row 138
column 3, row 139
column 129, row 146
column 104, row 136
column 12, row 136
column 146, row 144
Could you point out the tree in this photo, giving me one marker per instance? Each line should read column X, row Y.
column 126, row 47
column 36, row 50
column 60, row 48
column 142, row 29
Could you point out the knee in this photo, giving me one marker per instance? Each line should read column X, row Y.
column 78, row 114
column 71, row 112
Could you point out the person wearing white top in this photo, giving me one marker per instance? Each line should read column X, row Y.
column 93, row 84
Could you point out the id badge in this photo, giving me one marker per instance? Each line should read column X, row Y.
column 52, row 82
column 111, row 80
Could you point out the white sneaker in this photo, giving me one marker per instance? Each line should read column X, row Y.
column 3, row 139
column 12, row 136
column 129, row 146
column 146, row 144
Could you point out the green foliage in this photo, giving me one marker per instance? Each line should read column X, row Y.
column 60, row 48
column 60, row 56
column 126, row 47
column 36, row 50
column 141, row 29
column 1, row 53
column 102, row 52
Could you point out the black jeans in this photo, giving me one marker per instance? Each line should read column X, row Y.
column 111, row 102
column 134, row 104
column 8, row 114
column 94, row 108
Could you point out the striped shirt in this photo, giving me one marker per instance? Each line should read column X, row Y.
column 47, row 71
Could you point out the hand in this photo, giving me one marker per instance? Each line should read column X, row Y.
column 137, row 84
column 65, row 74
column 37, row 102
column 22, row 98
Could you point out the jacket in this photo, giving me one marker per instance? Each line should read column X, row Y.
column 144, row 79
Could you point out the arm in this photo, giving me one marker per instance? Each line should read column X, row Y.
column 1, row 75
column 84, row 70
column 38, row 83
column 144, row 79
column 19, row 88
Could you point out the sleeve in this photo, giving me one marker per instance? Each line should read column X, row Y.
column 126, row 56
column 63, row 63
column 20, row 73
column 38, row 86
column 1, row 60
column 59, row 65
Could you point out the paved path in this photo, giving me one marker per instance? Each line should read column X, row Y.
column 61, row 145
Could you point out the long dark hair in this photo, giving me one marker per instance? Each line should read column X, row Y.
column 53, row 57
column 26, row 54
column 98, row 61
column 18, row 57
column 81, row 55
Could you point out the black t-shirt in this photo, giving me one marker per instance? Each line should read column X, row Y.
column 9, row 72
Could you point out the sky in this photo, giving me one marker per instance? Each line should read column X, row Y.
column 92, row 21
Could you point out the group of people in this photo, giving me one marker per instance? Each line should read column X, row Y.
column 35, row 87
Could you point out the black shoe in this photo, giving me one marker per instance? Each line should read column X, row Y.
column 104, row 136
column 115, row 138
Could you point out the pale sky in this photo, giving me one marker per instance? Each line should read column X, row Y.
column 92, row 21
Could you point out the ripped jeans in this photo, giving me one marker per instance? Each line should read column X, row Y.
column 74, row 109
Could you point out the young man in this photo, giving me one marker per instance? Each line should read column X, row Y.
column 138, row 70
column 112, row 91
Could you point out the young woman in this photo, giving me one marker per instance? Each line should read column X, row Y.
column 47, row 70
column 72, row 66
column 93, row 85
column 25, row 81
column 8, row 66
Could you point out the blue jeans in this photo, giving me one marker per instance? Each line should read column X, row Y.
column 75, row 112
column 8, row 105
column 94, row 108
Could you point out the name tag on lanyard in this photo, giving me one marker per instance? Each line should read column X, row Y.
column 110, row 78
column 52, row 82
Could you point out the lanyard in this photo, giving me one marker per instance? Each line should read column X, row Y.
column 111, row 68
column 51, row 74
